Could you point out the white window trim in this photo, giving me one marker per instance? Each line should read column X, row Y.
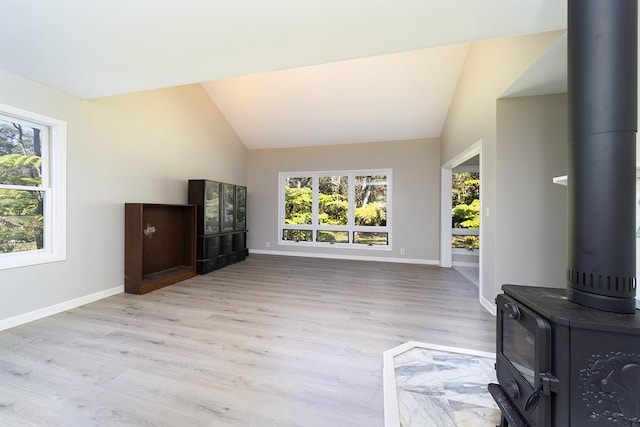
column 54, row 187
column 350, row 227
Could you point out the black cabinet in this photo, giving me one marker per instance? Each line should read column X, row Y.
column 221, row 223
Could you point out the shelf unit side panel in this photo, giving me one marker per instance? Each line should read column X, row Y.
column 133, row 247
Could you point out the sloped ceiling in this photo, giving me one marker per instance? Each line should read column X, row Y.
column 336, row 71
column 382, row 98
column 547, row 75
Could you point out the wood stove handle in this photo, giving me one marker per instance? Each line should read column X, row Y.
column 533, row 399
column 512, row 310
column 546, row 385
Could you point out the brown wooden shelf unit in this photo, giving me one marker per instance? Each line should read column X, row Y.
column 160, row 246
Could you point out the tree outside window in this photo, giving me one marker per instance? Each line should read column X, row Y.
column 333, row 200
column 371, row 200
column 298, row 208
column 348, row 208
column 21, row 195
column 466, row 208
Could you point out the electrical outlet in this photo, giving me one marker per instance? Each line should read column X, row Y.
column 268, row 244
column 402, row 251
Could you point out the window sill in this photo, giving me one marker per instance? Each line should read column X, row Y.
column 336, row 245
column 463, row 251
column 16, row 260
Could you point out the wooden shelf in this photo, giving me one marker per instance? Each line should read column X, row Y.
column 160, row 245
column 167, row 277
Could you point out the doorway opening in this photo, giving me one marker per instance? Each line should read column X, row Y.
column 465, row 221
column 461, row 231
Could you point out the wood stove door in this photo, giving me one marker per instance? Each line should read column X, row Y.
column 523, row 359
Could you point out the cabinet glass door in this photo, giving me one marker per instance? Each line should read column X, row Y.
column 211, row 207
column 228, row 207
column 241, row 208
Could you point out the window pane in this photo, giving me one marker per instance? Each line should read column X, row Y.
column 333, row 200
column 463, row 241
column 371, row 200
column 366, row 238
column 20, row 154
column 241, row 208
column 211, row 207
column 32, row 185
column 465, row 213
column 228, row 202
column 328, row 207
column 298, row 198
column 333, row 236
column 21, row 220
column 297, row 235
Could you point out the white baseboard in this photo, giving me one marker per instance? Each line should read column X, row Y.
column 58, row 308
column 491, row 307
column 347, row 257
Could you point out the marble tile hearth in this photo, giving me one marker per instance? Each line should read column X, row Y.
column 431, row 385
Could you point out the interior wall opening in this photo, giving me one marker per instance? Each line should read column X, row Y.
column 465, row 219
column 470, row 161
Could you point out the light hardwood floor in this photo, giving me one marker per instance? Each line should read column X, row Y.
column 272, row 341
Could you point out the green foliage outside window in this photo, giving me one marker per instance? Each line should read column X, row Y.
column 466, row 208
column 333, row 210
column 467, row 216
column 21, row 210
column 466, row 188
column 369, row 207
column 372, row 214
column 333, row 236
column 297, row 235
column 333, row 200
column 371, row 239
column 298, row 205
column 371, row 200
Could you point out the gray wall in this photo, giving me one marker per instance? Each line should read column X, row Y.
column 490, row 68
column 531, row 238
column 416, row 180
column 133, row 148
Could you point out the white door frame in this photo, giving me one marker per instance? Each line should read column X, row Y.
column 445, row 205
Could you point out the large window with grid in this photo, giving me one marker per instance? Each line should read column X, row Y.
column 339, row 208
column 32, row 188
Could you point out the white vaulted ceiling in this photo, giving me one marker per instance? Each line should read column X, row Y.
column 283, row 72
column 382, row 98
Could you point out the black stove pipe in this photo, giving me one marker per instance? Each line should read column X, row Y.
column 602, row 91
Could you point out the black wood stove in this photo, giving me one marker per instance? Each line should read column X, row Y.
column 562, row 364
column 571, row 357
